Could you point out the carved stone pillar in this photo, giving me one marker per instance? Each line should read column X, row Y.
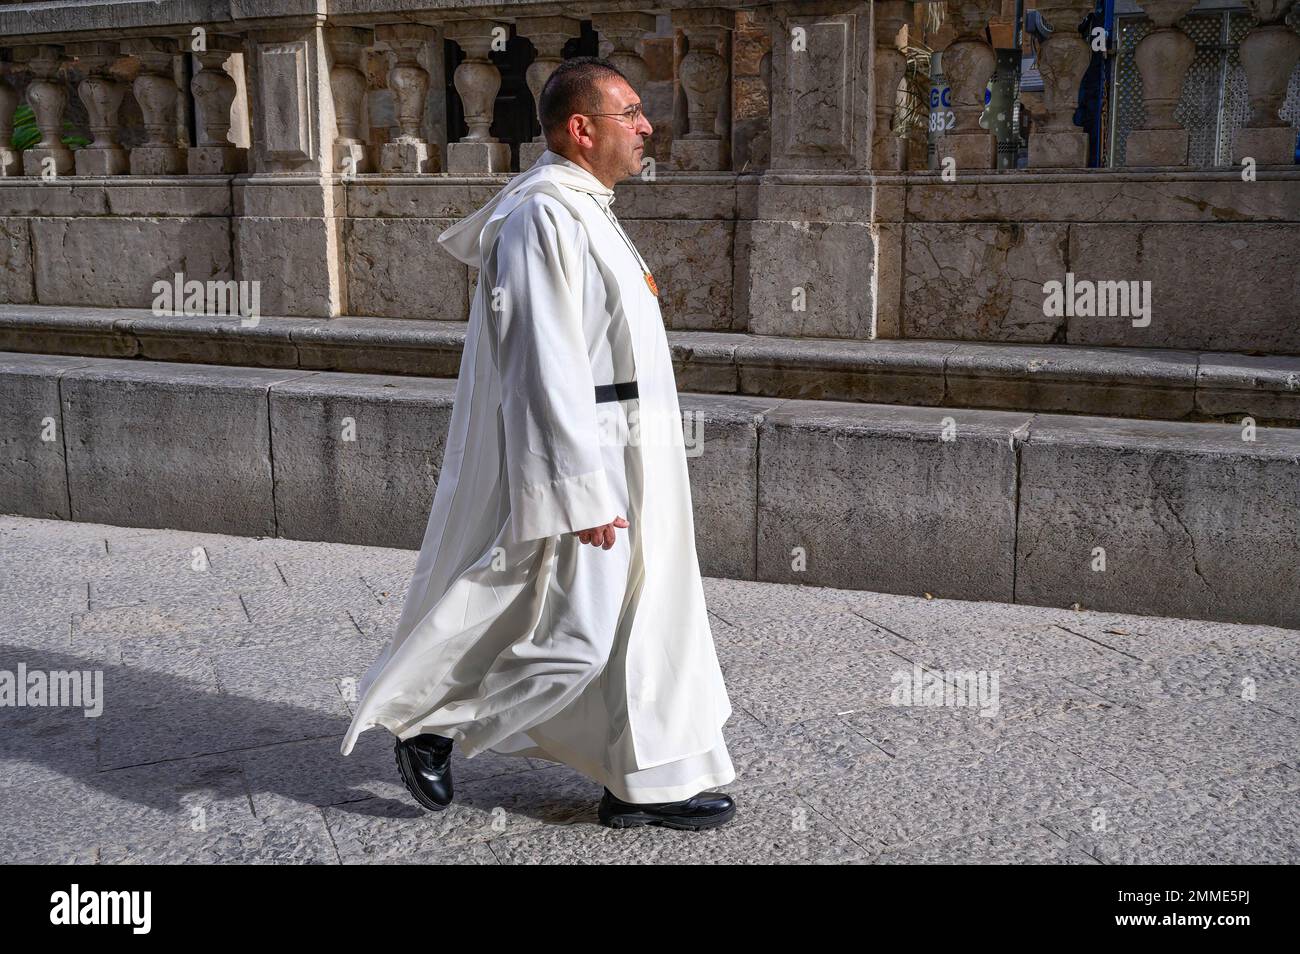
column 48, row 100
column 703, row 75
column 155, row 90
column 288, row 234
column 214, row 93
column 1269, row 54
column 548, row 35
column 1162, row 58
column 1062, row 61
column 888, row 150
column 409, row 82
column 102, row 93
column 968, row 65
column 347, row 48
column 11, row 163
column 477, row 80
column 821, row 110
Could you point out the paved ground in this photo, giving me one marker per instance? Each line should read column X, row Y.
column 225, row 661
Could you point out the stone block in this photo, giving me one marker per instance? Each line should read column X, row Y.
column 16, row 279
column 114, row 262
column 1194, row 521
column 724, row 480
column 397, row 269
column 805, row 278
column 33, row 471
column 357, row 456
column 878, row 500
column 1232, row 286
column 170, row 445
column 692, row 264
column 980, row 281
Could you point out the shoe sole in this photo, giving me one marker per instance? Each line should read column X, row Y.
column 638, row 819
column 418, row 795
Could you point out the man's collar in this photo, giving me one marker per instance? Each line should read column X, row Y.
column 603, row 193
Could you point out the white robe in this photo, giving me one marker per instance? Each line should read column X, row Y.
column 515, row 637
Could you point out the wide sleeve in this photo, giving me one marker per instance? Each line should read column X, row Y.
column 553, row 451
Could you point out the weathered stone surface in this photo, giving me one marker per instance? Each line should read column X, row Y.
column 724, row 480
column 71, row 267
column 1189, row 516
column 692, row 266
column 422, row 282
column 981, row 281
column 1104, row 196
column 33, row 470
column 878, row 501
column 821, row 269
column 16, row 280
column 1127, row 382
column 294, row 259
column 357, row 456
column 884, row 372
column 1199, row 276
column 1265, row 387
column 128, row 464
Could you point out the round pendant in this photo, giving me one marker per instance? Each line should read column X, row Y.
column 650, row 280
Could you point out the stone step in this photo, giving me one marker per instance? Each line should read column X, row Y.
column 1171, row 518
column 1151, row 383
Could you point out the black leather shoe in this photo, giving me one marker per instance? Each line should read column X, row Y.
column 425, row 764
column 702, row 810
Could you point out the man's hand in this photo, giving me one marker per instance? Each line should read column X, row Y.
column 602, row 537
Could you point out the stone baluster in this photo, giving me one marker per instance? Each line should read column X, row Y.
column 1062, row 61
column 888, row 150
column 548, row 35
column 11, row 161
column 409, row 82
column 48, row 99
column 214, row 93
column 347, row 48
column 156, row 92
column 477, row 80
column 620, row 43
column 1269, row 54
column 622, row 37
column 1162, row 58
column 968, row 65
column 102, row 93
column 703, row 74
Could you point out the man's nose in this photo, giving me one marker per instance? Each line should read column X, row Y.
column 644, row 127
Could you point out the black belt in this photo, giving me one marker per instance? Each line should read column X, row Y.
column 621, row 391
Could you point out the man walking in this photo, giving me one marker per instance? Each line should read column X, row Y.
column 556, row 609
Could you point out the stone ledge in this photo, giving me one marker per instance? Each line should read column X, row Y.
column 1196, row 522
column 1074, row 379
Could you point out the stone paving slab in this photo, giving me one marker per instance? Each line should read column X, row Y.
column 1115, row 739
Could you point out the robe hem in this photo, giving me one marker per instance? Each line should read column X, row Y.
column 640, row 795
column 591, row 770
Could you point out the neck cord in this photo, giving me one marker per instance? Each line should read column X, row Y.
column 614, row 222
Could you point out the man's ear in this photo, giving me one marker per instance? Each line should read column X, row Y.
column 577, row 130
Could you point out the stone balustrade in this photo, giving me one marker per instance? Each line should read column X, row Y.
column 324, row 146
column 305, row 81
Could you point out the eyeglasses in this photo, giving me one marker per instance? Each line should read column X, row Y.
column 630, row 116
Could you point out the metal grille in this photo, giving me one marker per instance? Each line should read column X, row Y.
column 1214, row 101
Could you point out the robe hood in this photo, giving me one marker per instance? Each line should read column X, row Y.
column 464, row 239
